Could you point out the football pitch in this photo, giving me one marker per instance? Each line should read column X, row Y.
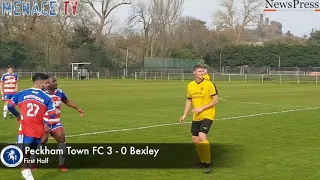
column 262, row 131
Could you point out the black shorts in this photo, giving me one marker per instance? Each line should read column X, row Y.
column 200, row 126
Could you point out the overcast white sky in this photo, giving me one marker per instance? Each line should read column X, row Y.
column 298, row 22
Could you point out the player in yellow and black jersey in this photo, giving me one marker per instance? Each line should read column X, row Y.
column 206, row 75
column 203, row 95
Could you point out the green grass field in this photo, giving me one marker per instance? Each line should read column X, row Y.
column 263, row 131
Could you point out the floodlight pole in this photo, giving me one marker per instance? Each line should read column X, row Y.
column 72, row 71
column 127, row 62
column 220, row 63
column 279, row 65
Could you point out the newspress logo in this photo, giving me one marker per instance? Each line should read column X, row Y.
column 11, row 156
column 291, row 5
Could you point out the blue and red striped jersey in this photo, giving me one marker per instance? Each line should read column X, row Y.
column 33, row 104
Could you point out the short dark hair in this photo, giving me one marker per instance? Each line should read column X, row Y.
column 10, row 66
column 39, row 76
column 198, row 66
column 51, row 77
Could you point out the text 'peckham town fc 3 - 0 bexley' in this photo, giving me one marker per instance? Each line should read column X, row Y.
column 99, row 150
column 36, row 8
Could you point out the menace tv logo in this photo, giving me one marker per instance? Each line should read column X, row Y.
column 11, row 156
column 292, row 5
column 37, row 8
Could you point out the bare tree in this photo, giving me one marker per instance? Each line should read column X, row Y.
column 249, row 15
column 226, row 18
column 238, row 16
column 166, row 14
column 107, row 6
column 193, row 35
column 141, row 19
column 156, row 20
column 84, row 16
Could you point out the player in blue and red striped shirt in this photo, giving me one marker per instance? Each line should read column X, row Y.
column 53, row 126
column 8, row 87
column 33, row 104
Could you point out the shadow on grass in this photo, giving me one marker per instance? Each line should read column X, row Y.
column 226, row 155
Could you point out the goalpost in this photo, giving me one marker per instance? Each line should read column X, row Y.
column 80, row 71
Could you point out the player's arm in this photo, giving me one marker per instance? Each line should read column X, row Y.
column 74, row 106
column 12, row 104
column 69, row 103
column 1, row 85
column 17, row 83
column 213, row 102
column 17, row 86
column 187, row 107
column 13, row 110
column 51, row 109
column 213, row 92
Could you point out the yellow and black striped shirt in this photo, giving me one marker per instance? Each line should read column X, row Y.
column 201, row 95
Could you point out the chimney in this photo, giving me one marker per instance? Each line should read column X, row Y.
column 267, row 21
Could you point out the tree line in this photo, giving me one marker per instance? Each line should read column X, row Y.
column 153, row 28
column 290, row 55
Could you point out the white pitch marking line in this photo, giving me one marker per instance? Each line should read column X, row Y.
column 255, row 103
column 169, row 124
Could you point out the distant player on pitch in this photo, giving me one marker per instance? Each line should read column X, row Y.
column 54, row 126
column 203, row 95
column 206, row 75
column 8, row 87
column 33, row 104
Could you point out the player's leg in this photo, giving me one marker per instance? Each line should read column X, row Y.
column 10, row 114
column 24, row 142
column 6, row 99
column 45, row 136
column 43, row 141
column 5, row 106
column 57, row 132
column 9, row 98
column 204, row 130
column 195, row 129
